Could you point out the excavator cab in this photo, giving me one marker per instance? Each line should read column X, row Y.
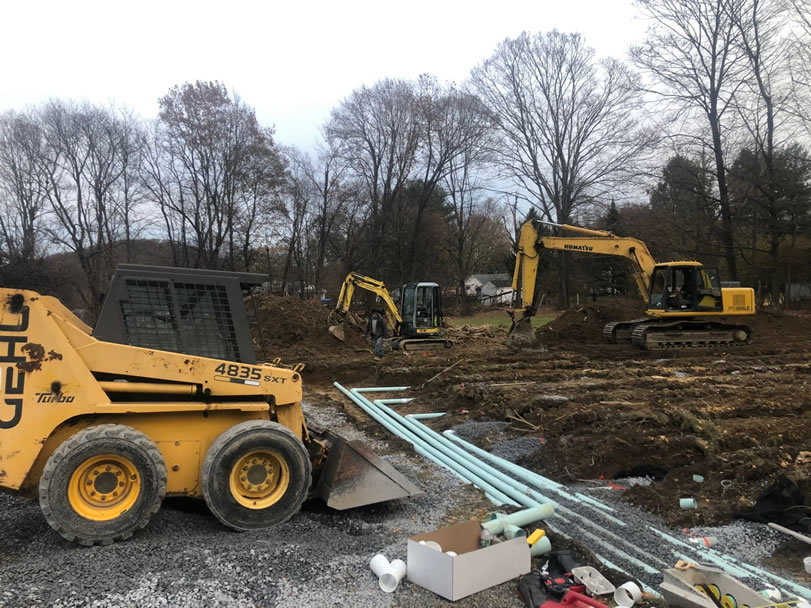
column 685, row 287
column 420, row 310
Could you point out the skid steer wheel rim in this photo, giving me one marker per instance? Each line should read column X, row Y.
column 104, row 487
column 259, row 479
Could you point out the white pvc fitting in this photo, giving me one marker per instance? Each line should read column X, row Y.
column 807, row 562
column 432, row 545
column 391, row 579
column 379, row 565
column 627, row 595
column 451, row 553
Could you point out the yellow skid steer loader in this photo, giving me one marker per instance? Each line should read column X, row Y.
column 164, row 397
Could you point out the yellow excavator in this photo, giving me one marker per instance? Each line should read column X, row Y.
column 415, row 325
column 685, row 300
column 163, row 397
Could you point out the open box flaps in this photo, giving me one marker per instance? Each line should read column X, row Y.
column 473, row 569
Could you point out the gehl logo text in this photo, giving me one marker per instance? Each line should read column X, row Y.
column 11, row 339
column 579, row 247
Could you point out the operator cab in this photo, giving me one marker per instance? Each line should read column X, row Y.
column 420, row 309
column 685, row 287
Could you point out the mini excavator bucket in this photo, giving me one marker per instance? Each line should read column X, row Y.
column 354, row 476
column 340, row 323
column 338, row 331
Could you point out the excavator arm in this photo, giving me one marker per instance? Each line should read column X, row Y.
column 355, row 280
column 594, row 241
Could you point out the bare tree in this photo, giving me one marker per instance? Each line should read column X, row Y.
column 466, row 195
column 568, row 122
column 330, row 194
column 800, row 61
column 23, row 197
column 82, row 163
column 207, row 156
column 763, row 102
column 376, row 130
column 694, row 56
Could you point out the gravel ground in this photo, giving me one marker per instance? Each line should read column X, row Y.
column 320, row 557
column 186, row 558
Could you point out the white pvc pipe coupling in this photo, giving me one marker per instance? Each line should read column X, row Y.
column 627, row 595
column 389, row 574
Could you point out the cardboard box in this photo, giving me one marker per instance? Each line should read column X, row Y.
column 473, row 569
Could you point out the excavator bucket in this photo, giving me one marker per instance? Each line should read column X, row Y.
column 354, row 476
column 522, row 334
column 338, row 331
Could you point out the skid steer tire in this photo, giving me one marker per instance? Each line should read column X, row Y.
column 256, row 475
column 102, row 484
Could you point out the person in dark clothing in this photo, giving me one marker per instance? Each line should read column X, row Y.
column 376, row 329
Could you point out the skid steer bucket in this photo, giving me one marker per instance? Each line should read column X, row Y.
column 354, row 475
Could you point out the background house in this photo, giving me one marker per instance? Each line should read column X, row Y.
column 493, row 288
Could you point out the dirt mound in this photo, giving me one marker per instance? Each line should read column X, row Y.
column 585, row 324
column 297, row 325
column 769, row 324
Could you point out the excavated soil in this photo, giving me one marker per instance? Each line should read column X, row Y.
column 738, row 415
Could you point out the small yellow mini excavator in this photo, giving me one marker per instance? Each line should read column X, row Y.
column 685, row 300
column 415, row 325
column 164, row 397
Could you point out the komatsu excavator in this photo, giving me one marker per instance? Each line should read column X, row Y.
column 415, row 325
column 685, row 300
column 163, row 397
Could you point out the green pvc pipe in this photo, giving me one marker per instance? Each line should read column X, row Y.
column 528, row 476
column 424, row 416
column 424, row 448
column 512, row 482
column 544, row 545
column 514, row 489
column 521, row 518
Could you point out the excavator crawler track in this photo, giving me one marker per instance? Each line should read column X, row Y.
column 655, row 335
column 619, row 332
column 423, row 344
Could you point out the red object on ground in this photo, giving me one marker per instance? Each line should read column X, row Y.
column 573, row 599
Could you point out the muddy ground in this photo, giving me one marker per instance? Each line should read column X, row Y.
column 738, row 415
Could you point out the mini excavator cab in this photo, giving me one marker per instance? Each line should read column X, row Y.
column 420, row 310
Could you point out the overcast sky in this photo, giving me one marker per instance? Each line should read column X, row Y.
column 292, row 60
